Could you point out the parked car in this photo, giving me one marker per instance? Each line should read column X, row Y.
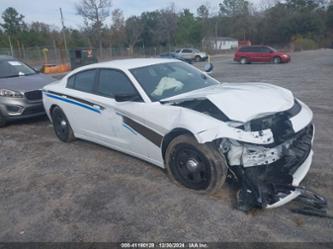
column 174, row 55
column 191, row 54
column 20, row 90
column 250, row 54
column 177, row 117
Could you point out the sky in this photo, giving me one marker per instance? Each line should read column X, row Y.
column 47, row 11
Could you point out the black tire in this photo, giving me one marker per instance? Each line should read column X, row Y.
column 61, row 126
column 197, row 58
column 243, row 60
column 199, row 167
column 3, row 121
column 276, row 60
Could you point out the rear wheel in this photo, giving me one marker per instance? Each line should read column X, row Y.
column 243, row 60
column 199, row 167
column 3, row 121
column 197, row 58
column 61, row 126
column 276, row 60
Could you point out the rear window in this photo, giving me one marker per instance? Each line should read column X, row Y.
column 83, row 81
column 265, row 50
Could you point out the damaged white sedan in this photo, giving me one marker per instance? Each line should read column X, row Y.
column 177, row 117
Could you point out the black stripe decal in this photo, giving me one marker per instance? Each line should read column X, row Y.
column 76, row 99
column 148, row 133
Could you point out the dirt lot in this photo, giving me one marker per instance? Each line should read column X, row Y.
column 51, row 191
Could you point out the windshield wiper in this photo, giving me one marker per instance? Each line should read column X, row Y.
column 11, row 76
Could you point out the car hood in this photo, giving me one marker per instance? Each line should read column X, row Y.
column 242, row 101
column 26, row 83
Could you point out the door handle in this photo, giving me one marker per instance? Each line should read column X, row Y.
column 98, row 107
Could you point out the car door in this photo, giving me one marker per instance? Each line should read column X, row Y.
column 266, row 54
column 187, row 54
column 255, row 54
column 121, row 101
column 81, row 105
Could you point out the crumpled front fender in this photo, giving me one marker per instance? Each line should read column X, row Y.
column 263, row 137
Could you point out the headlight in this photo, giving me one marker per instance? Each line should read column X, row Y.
column 10, row 93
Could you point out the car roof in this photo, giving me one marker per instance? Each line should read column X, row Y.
column 127, row 64
column 256, row 46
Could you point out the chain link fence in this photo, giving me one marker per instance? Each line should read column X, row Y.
column 37, row 56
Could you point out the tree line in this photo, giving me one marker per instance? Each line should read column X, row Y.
column 303, row 23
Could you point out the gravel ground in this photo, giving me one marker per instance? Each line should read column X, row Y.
column 51, row 191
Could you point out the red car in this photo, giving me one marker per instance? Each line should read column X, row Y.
column 250, row 54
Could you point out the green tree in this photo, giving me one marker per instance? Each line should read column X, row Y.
column 13, row 21
column 234, row 8
column 94, row 13
column 167, row 26
column 203, row 16
column 188, row 29
column 118, row 29
column 150, row 34
column 329, row 18
column 13, row 26
column 134, row 29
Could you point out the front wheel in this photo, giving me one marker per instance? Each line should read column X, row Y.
column 243, row 60
column 276, row 60
column 3, row 121
column 61, row 126
column 199, row 167
column 197, row 58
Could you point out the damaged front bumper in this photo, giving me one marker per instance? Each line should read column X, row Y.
column 298, row 176
column 269, row 173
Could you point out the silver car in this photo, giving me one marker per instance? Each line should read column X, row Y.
column 20, row 94
column 191, row 54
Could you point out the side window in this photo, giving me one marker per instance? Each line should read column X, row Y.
column 70, row 82
column 113, row 82
column 83, row 81
column 187, row 50
column 264, row 50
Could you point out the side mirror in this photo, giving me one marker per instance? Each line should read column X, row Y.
column 37, row 69
column 127, row 97
column 208, row 67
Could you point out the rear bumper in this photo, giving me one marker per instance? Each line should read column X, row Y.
column 16, row 109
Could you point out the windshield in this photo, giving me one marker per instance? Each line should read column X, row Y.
column 273, row 49
column 169, row 79
column 14, row 68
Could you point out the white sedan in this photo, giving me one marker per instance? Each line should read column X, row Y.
column 179, row 118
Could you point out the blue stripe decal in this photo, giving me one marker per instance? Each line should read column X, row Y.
column 130, row 129
column 73, row 102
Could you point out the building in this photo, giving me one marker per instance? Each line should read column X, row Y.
column 220, row 43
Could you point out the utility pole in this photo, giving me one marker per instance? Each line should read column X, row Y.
column 63, row 30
